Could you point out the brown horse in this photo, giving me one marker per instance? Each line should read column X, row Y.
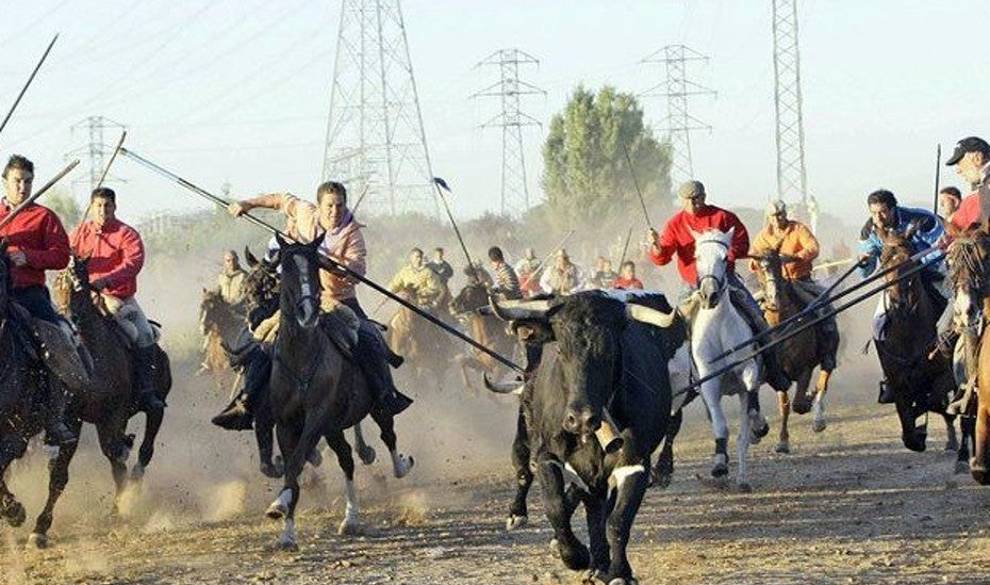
column 799, row 355
column 112, row 401
column 219, row 322
column 427, row 350
column 485, row 329
column 315, row 391
column 969, row 270
column 920, row 385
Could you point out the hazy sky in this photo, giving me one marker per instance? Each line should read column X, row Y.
column 238, row 90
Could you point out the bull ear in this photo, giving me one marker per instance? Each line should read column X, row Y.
column 315, row 244
column 250, row 258
column 532, row 332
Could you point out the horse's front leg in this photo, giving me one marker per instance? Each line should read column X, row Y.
column 58, row 471
column 711, row 393
column 152, row 425
column 114, row 446
column 979, row 465
column 784, row 437
column 12, row 446
column 365, row 452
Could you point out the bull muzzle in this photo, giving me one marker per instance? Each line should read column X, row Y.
column 580, row 419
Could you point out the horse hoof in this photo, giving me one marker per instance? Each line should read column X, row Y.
column 961, row 467
column 744, row 487
column 367, row 455
column 315, row 458
column 660, row 479
column 403, row 465
column 979, row 472
column 349, row 527
column 621, row 581
column 951, row 446
column 516, row 522
column 137, row 473
column 279, row 464
column 783, row 447
column 819, row 424
column 759, row 428
column 286, row 543
column 15, row 514
column 720, row 470
column 38, row 540
column 269, row 470
column 277, row 510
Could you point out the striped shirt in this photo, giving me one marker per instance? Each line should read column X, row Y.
column 506, row 282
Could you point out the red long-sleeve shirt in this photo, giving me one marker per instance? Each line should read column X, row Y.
column 37, row 232
column 676, row 239
column 115, row 252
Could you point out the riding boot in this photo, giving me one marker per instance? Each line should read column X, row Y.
column 239, row 414
column 57, row 432
column 148, row 400
column 371, row 360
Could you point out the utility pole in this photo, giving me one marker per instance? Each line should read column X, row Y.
column 791, row 174
column 95, row 151
column 677, row 88
column 509, row 88
column 375, row 136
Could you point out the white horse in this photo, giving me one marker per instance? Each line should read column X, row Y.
column 717, row 327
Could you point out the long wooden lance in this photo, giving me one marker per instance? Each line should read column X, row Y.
column 326, row 262
column 642, row 201
column 441, row 186
column 938, row 174
column 805, row 312
column 37, row 194
column 24, row 89
column 802, row 328
column 625, row 248
column 360, row 198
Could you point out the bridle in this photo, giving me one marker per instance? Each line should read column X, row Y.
column 720, row 281
column 310, row 293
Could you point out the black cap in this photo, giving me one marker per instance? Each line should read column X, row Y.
column 970, row 144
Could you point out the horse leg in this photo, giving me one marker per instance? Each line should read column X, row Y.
column 663, row 471
column 979, row 465
column 784, row 438
column 401, row 464
column 559, row 510
column 742, row 443
column 111, row 437
column 264, row 431
column 291, row 442
column 819, row 422
column 12, row 446
column 350, row 525
column 802, row 402
column 365, row 452
column 712, row 395
column 966, row 424
column 912, row 436
column 152, row 425
column 951, row 441
column 518, row 513
column 58, row 478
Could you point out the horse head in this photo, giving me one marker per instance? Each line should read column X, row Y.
column 906, row 292
column 711, row 254
column 300, row 295
column 471, row 298
column 209, row 310
column 969, row 273
column 771, row 275
column 261, row 284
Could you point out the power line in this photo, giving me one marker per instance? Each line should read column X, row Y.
column 677, row 89
column 509, row 88
column 791, row 174
column 375, row 137
column 95, row 150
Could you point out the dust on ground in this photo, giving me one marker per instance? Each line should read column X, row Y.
column 849, row 505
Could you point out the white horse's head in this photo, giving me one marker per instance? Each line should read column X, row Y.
column 711, row 254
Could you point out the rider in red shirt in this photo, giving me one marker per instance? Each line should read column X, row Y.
column 677, row 239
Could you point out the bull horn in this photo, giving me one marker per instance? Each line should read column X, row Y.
column 651, row 316
column 511, row 387
column 519, row 310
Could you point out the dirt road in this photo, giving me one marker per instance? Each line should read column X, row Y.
column 849, row 505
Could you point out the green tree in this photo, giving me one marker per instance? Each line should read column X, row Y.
column 65, row 207
column 586, row 177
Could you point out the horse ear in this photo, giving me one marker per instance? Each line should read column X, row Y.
column 250, row 258
column 281, row 241
column 952, row 230
column 912, row 228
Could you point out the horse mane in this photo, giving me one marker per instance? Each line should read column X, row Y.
column 969, row 260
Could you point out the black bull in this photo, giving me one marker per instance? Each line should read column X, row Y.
column 597, row 359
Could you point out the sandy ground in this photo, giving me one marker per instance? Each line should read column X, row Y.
column 849, row 505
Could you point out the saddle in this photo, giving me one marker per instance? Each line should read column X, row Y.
column 340, row 325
